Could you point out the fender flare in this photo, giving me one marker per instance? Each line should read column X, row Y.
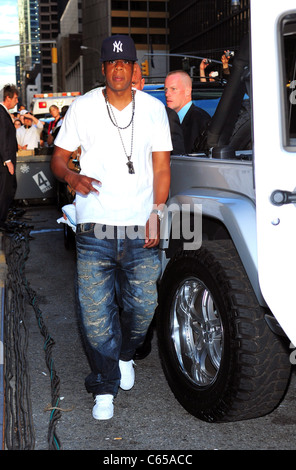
column 238, row 215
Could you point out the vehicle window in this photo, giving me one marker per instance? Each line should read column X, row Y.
column 288, row 40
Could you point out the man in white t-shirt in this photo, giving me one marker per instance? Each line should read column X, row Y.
column 120, row 192
column 28, row 135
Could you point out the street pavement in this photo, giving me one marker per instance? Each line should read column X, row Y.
column 147, row 417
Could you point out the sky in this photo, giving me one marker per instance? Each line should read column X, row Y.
column 9, row 34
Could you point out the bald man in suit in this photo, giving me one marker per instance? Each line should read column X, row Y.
column 8, row 150
column 194, row 120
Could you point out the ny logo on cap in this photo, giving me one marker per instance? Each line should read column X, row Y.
column 117, row 46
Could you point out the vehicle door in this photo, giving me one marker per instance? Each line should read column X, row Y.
column 273, row 46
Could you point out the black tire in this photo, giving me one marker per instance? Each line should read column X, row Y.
column 225, row 365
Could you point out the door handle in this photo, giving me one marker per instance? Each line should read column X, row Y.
column 280, row 197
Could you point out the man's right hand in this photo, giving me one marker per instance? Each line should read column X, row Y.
column 79, row 183
column 82, row 184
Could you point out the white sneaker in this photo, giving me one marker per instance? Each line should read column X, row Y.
column 103, row 407
column 127, row 374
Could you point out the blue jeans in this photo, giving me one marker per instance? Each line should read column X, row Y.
column 117, row 293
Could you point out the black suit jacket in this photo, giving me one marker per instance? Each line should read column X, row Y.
column 194, row 124
column 8, row 150
column 8, row 142
column 176, row 132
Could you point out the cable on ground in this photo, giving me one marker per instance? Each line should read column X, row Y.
column 19, row 428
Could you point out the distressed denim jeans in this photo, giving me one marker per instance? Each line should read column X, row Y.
column 117, row 294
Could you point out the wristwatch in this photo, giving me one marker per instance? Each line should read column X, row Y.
column 158, row 212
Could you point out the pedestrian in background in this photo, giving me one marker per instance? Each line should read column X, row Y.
column 194, row 120
column 28, row 135
column 17, row 123
column 55, row 112
column 8, row 150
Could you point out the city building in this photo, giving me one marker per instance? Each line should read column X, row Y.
column 69, row 41
column 50, row 12
column 39, row 25
column 145, row 21
column 166, row 33
column 206, row 28
column 29, row 34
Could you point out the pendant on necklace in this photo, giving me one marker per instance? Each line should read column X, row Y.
column 112, row 117
column 131, row 169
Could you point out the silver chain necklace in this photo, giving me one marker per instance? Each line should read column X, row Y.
column 112, row 117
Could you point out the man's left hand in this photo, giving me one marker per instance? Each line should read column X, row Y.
column 152, row 231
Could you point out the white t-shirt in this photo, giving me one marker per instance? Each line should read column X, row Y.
column 124, row 199
column 29, row 136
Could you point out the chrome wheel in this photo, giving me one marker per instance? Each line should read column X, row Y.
column 218, row 354
column 197, row 332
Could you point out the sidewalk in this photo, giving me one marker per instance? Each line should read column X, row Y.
column 3, row 269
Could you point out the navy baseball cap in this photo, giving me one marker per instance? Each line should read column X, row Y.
column 118, row 46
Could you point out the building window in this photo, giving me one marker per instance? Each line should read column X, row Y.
column 120, row 21
column 118, row 5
